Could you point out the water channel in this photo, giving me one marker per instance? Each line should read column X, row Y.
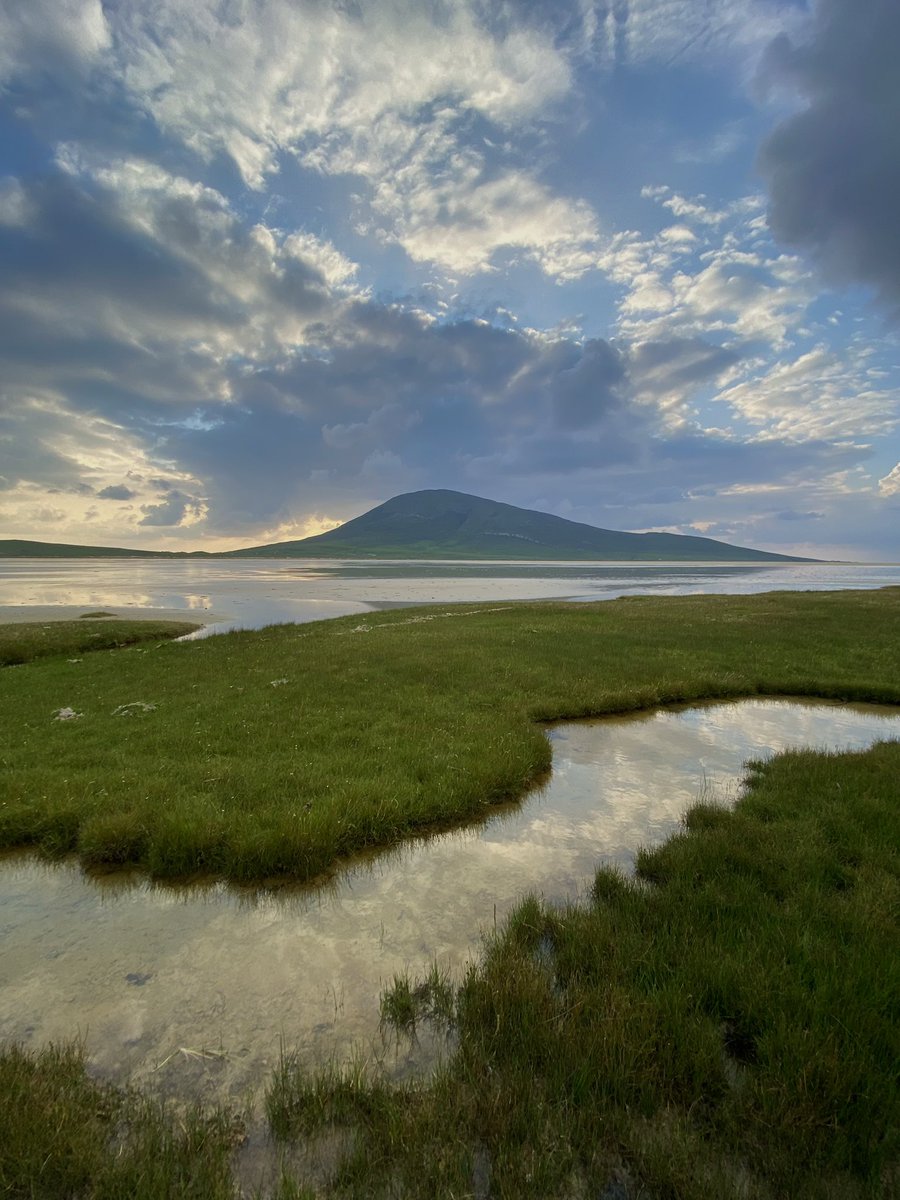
column 193, row 990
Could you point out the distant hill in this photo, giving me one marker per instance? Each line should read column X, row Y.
column 445, row 524
column 17, row 548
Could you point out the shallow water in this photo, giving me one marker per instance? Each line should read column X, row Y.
column 245, row 594
column 194, row 989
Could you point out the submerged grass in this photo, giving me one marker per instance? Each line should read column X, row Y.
column 722, row 1027
column 24, row 641
column 277, row 752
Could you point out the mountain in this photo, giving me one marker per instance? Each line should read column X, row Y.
column 445, row 524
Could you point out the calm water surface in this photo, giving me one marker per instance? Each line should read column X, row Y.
column 236, row 594
column 193, row 990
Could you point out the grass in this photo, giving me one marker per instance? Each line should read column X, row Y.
column 277, row 752
column 64, row 1135
column 25, row 641
column 724, row 1026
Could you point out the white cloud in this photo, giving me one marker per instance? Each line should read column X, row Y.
column 460, row 220
column 48, row 448
column 63, row 34
column 335, row 268
column 714, row 272
column 386, row 93
column 819, row 394
column 283, row 75
column 890, row 484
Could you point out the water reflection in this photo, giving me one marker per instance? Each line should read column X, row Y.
column 196, row 987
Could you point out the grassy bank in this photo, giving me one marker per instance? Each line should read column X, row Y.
column 722, row 1028
column 728, row 1032
column 273, row 753
column 25, row 641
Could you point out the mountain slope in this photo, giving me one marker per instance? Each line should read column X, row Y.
column 446, row 524
column 18, row 548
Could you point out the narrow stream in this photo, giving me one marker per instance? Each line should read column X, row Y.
column 194, row 990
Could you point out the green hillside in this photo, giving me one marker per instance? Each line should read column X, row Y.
column 445, row 524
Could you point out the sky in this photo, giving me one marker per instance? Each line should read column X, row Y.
column 266, row 263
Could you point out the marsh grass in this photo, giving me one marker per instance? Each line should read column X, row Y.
column 722, row 1026
column 64, row 1135
column 406, row 1003
column 22, row 642
column 278, row 752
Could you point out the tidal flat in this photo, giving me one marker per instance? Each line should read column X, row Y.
column 430, row 682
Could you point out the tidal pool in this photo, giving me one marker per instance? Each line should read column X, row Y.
column 194, row 990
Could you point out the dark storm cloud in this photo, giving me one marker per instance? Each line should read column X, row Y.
column 833, row 169
column 585, row 392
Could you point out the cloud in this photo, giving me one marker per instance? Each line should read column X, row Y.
column 890, row 484
column 716, row 272
column 791, row 514
column 416, row 103
column 251, row 382
column 175, row 509
column 117, row 491
column 818, row 394
column 14, row 208
column 63, row 36
column 674, row 368
column 434, row 112
column 132, row 279
column 833, row 169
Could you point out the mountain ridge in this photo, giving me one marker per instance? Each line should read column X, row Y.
column 440, row 523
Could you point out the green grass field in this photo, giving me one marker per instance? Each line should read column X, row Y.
column 23, row 642
column 724, row 1026
column 275, row 753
